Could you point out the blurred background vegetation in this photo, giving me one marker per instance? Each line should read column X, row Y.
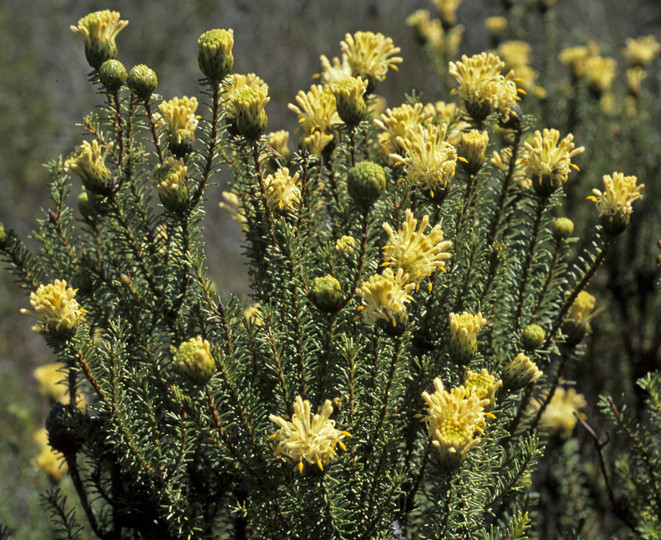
column 44, row 93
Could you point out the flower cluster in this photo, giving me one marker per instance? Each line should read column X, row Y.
column 399, row 122
column 577, row 323
column 194, row 360
column 453, row 420
column 282, row 189
column 416, row 253
column 614, row 203
column 559, row 417
column 370, row 56
column 385, row 297
column 317, row 117
column 483, row 385
column 170, row 179
column 245, row 98
column 308, row 438
column 56, row 309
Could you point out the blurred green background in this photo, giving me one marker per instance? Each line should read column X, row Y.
column 44, row 92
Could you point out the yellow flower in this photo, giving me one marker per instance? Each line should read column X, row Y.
column 482, row 87
column 194, row 360
column 577, row 322
column 520, row 372
column 419, row 255
column 385, row 297
column 309, row 438
column 282, row 189
column 429, row 160
column 349, row 99
column 336, row 72
column 370, row 55
column 89, row 165
column 237, row 82
column 178, row 117
column 170, row 179
column 56, row 309
column 253, row 314
column 346, row 245
column 99, row 30
column 214, row 53
column 599, row 73
column 548, row 162
column 233, row 205
column 483, row 385
column 51, row 383
column 559, row 417
column 463, row 335
column 574, row 58
column 635, row 77
column 496, row 27
column 448, row 11
column 614, row 203
column 642, row 51
column 48, row 460
column 317, row 112
column 453, row 420
column 399, row 122
column 472, row 149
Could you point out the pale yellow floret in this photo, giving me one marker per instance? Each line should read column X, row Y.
column 599, row 72
column 370, row 55
column 618, row 194
column 282, row 189
column 55, row 308
column 346, row 245
column 464, row 328
column 178, row 117
column 384, row 296
column 316, row 110
column 545, row 157
column 429, row 161
column 307, row 438
column 399, row 122
column 483, row 385
column 410, row 249
column 335, row 72
column 100, row 27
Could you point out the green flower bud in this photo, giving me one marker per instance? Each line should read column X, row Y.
column 520, row 372
column 214, row 53
column 61, row 436
column 112, row 75
column 533, row 337
column 349, row 100
column 170, row 179
column 193, row 359
column 249, row 117
column 326, row 294
column 366, row 182
column 142, row 81
column 563, row 228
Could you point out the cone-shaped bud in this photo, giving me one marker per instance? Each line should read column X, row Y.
column 99, row 30
column 327, row 294
column 520, row 372
column 349, row 100
column 142, row 81
column 194, row 360
column 464, row 327
column 366, row 182
column 88, row 163
column 112, row 75
column 533, row 337
column 562, row 228
column 214, row 53
column 472, row 149
column 249, row 116
column 60, row 435
column 170, row 179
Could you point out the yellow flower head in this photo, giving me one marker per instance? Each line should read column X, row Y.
column 170, row 179
column 253, row 314
column 48, row 460
column 88, row 163
column 463, row 335
column 56, row 309
column 279, row 141
column 577, row 322
column 419, row 255
column 549, row 162
column 520, row 372
column 574, row 57
column 515, row 53
column 178, row 117
column 614, row 203
column 559, row 417
column 482, row 87
column 429, row 160
column 599, row 73
column 194, row 360
column 282, row 189
column 472, row 149
column 214, row 53
column 50, row 379
column 385, row 297
column 346, row 245
column 399, row 122
column 635, row 77
column 308, row 438
column 370, row 55
column 99, row 30
column 335, row 72
column 318, row 111
column 237, row 82
column 642, row 51
column 349, row 99
column 453, row 420
column 483, row 385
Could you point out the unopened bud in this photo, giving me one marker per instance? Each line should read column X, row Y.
column 366, row 182
column 326, row 294
column 520, row 372
column 214, row 53
column 533, row 337
column 142, row 81
column 112, row 75
column 563, row 228
column 194, row 360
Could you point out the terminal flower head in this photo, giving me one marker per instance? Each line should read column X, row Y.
column 415, row 252
column 88, row 163
column 335, row 72
column 56, row 309
column 194, row 360
column 170, row 179
column 577, row 322
column 214, row 53
column 370, row 56
column 599, row 73
column 559, row 417
column 51, row 381
column 447, row 10
column 614, row 203
column 245, row 97
column 483, row 385
column 482, row 88
column 99, row 30
column 384, row 297
column 463, row 335
column 520, row 372
column 642, row 51
column 316, row 110
column 180, row 122
column 453, row 420
column 346, row 245
column 48, row 460
column 472, row 149
column 282, row 189
column 429, row 160
column 399, row 122
column 308, row 438
column 548, row 161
